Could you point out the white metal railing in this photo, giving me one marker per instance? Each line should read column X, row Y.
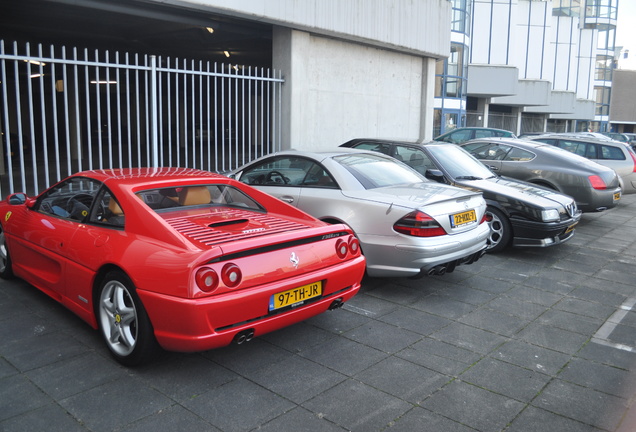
column 65, row 111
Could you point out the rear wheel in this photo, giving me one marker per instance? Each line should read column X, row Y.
column 6, row 268
column 500, row 230
column 123, row 321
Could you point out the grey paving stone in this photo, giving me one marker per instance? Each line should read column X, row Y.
column 553, row 338
column 384, row 337
column 182, row 377
column 49, row 418
column 604, row 378
column 41, row 350
column 569, row 321
column 76, row 375
column 531, row 357
column 18, row 396
column 296, row 378
column 340, row 321
column 582, row 404
column 537, row 420
column 468, row 295
column 7, row 369
column 440, row 356
column 417, row 321
column 585, row 308
column 115, row 404
column 598, row 295
column 489, row 284
column 403, row 379
column 506, row 379
column 608, row 355
column 443, row 306
column 371, row 305
column 357, row 406
column 473, row 406
column 420, row 419
column 299, row 337
column 239, row 405
column 624, row 335
column 174, row 418
column 300, row 420
column 468, row 337
column 533, row 295
column 495, row 321
column 344, row 355
column 513, row 306
column 247, row 357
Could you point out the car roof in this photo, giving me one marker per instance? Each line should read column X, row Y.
column 525, row 143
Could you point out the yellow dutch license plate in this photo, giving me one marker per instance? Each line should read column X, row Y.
column 617, row 196
column 463, row 218
column 570, row 228
column 297, row 295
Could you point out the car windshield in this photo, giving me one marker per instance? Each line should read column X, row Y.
column 459, row 163
column 376, row 171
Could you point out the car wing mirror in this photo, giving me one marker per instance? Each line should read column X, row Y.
column 435, row 175
column 17, row 198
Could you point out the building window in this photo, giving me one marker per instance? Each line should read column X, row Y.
column 461, row 16
column 569, row 8
column 604, row 68
column 601, row 9
column 602, row 100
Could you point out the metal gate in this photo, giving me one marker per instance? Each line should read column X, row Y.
column 65, row 111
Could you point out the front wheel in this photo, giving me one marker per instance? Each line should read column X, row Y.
column 123, row 321
column 500, row 230
column 6, row 268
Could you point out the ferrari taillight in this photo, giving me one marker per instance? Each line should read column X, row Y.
column 344, row 247
column 207, row 280
column 419, row 224
column 597, row 182
column 231, row 275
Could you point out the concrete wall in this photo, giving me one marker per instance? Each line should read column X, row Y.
column 418, row 26
column 336, row 90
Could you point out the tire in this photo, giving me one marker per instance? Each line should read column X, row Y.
column 6, row 268
column 500, row 230
column 123, row 321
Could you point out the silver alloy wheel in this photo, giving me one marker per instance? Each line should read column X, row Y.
column 496, row 230
column 4, row 256
column 118, row 318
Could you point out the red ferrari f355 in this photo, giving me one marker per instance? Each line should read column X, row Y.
column 176, row 258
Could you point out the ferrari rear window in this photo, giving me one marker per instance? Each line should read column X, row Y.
column 221, row 195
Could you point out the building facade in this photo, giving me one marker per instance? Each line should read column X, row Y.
column 533, row 65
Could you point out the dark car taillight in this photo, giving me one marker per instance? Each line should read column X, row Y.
column 597, row 182
column 419, row 224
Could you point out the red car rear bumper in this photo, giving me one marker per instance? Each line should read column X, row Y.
column 190, row 325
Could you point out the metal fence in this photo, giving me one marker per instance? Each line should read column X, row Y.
column 64, row 111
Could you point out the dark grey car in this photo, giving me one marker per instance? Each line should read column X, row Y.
column 593, row 186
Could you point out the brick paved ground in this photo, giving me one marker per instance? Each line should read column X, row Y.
column 528, row 340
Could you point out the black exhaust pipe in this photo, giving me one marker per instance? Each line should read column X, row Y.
column 243, row 336
column 336, row 304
